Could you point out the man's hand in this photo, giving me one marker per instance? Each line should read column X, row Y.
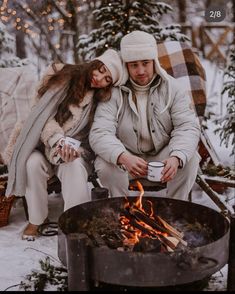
column 170, row 169
column 136, row 166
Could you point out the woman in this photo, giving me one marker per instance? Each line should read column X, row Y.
column 49, row 140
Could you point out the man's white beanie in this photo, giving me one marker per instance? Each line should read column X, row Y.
column 112, row 60
column 139, row 45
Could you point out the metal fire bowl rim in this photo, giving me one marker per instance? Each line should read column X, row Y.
column 113, row 199
column 122, row 267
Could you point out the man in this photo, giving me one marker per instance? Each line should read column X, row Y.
column 149, row 118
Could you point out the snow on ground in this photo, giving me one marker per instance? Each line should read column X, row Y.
column 18, row 258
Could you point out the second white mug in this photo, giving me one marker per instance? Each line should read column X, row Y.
column 155, row 169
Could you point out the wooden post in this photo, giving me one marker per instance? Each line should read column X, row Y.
column 212, row 194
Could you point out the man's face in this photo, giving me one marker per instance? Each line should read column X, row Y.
column 141, row 71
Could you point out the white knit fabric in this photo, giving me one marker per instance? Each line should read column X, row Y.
column 138, row 45
column 112, row 60
column 141, row 93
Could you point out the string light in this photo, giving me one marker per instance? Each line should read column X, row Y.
column 20, row 23
column 4, row 18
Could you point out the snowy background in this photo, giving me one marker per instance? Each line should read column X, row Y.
column 19, row 258
column 56, row 41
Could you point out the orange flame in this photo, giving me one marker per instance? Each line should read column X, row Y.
column 139, row 200
column 132, row 234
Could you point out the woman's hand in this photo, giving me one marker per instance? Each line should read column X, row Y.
column 170, row 169
column 136, row 166
column 68, row 153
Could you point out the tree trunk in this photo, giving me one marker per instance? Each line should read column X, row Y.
column 20, row 44
column 233, row 10
column 127, row 5
column 208, row 3
column 74, row 27
column 182, row 11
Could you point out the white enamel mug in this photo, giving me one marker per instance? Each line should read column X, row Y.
column 72, row 142
column 155, row 169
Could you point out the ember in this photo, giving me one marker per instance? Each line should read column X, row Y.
column 138, row 224
column 136, row 227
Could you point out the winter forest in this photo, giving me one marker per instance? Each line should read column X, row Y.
column 35, row 33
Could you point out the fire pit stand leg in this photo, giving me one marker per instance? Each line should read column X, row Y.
column 231, row 260
column 77, row 263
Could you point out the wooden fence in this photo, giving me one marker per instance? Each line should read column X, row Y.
column 212, row 39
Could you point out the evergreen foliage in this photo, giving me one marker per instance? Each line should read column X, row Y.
column 116, row 18
column 50, row 275
column 227, row 122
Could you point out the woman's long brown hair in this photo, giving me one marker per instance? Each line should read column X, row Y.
column 78, row 78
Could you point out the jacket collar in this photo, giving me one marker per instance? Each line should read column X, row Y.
column 155, row 83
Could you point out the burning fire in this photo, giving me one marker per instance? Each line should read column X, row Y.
column 137, row 223
column 131, row 234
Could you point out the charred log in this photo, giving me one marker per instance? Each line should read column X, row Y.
column 140, row 215
column 148, row 231
column 148, row 245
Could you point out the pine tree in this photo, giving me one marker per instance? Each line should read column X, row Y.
column 7, row 44
column 227, row 122
column 116, row 18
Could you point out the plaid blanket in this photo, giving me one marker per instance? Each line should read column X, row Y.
column 179, row 61
column 17, row 87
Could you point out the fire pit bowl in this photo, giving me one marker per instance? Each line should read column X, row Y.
column 205, row 230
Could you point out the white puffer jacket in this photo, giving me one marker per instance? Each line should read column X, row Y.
column 116, row 123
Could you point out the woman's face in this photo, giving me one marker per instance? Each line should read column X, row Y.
column 101, row 77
